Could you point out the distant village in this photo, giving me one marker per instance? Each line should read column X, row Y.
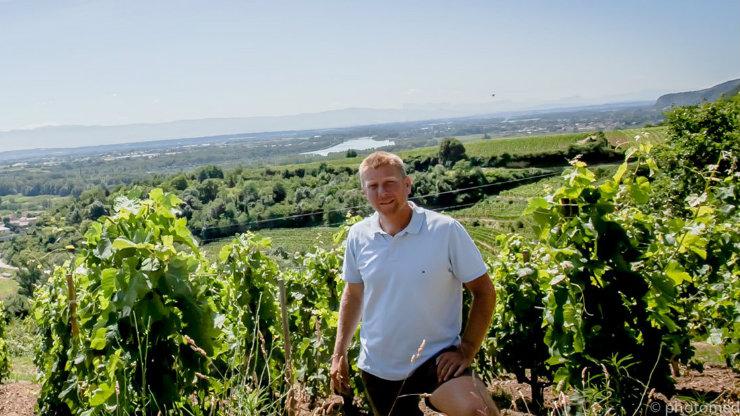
column 13, row 224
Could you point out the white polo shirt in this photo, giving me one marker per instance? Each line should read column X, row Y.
column 412, row 288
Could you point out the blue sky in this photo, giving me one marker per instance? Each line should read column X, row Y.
column 105, row 62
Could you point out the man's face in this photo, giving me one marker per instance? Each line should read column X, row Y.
column 386, row 189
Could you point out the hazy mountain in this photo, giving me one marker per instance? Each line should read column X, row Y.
column 728, row 88
column 69, row 136
column 52, row 137
column 74, row 136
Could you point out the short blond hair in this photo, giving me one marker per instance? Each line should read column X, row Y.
column 381, row 158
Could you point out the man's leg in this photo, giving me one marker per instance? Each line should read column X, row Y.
column 384, row 399
column 463, row 396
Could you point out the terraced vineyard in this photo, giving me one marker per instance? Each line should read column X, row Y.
column 286, row 240
column 243, row 317
column 503, row 213
column 512, row 145
column 645, row 134
column 496, row 207
column 485, row 238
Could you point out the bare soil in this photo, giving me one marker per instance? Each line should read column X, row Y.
column 716, row 388
column 18, row 399
column 715, row 391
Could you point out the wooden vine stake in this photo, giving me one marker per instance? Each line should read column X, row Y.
column 71, row 295
column 286, row 333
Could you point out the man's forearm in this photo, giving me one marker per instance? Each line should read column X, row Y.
column 350, row 309
column 479, row 320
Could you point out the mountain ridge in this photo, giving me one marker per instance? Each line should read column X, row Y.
column 727, row 88
column 72, row 136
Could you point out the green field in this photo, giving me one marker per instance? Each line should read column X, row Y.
column 474, row 145
column 289, row 240
column 8, row 287
column 646, row 134
column 20, row 204
column 512, row 145
column 502, row 213
column 510, row 203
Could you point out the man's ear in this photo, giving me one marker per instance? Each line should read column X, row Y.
column 408, row 181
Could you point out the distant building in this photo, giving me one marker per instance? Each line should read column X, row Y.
column 5, row 233
column 24, row 221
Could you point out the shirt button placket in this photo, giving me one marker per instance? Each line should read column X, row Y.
column 393, row 255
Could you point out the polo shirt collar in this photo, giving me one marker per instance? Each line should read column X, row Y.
column 414, row 226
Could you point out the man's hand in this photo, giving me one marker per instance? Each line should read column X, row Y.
column 453, row 363
column 340, row 374
column 350, row 309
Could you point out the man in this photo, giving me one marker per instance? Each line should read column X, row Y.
column 405, row 268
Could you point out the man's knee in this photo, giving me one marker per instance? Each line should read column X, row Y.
column 474, row 406
column 479, row 407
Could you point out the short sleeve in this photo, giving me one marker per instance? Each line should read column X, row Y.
column 350, row 272
column 465, row 258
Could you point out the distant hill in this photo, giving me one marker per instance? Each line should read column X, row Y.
column 728, row 88
column 68, row 136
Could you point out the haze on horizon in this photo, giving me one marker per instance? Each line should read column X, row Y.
column 112, row 63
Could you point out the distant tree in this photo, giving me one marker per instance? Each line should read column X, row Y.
column 217, row 208
column 208, row 190
column 28, row 277
column 96, row 210
column 179, row 182
column 189, row 206
column 504, row 159
column 351, row 153
column 12, row 227
column 486, row 136
column 333, row 213
column 231, row 179
column 74, row 216
column 279, row 193
column 450, row 151
column 247, row 195
column 191, row 196
column 210, row 171
column 302, row 193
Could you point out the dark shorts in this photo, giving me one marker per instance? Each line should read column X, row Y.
column 383, row 393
